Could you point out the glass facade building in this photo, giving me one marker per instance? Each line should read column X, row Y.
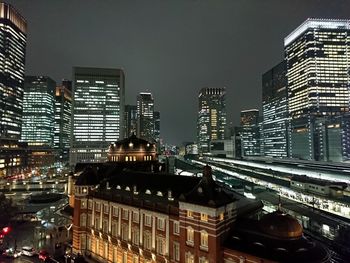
column 318, row 61
column 13, row 38
column 63, row 114
column 38, row 111
column 250, row 133
column 97, row 113
column 130, row 120
column 211, row 122
column 145, row 111
column 275, row 112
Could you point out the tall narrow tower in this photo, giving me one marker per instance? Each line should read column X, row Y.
column 211, row 117
column 13, row 32
column 145, row 111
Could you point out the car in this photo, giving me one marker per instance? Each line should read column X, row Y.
column 28, row 251
column 12, row 253
column 44, row 255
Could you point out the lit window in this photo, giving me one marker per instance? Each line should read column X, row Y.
column 189, row 213
column 147, row 240
column 203, row 260
column 221, row 216
column 176, row 228
column 204, row 217
column 160, row 245
column 190, row 236
column 160, row 223
column 204, row 239
column 189, row 258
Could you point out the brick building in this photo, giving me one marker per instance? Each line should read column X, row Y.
column 124, row 214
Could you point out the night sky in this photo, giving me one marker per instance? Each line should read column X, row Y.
column 170, row 48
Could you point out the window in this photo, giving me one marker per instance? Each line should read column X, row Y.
column 135, row 236
column 97, row 246
column 160, row 223
column 135, row 217
column 115, row 211
column 105, row 250
column 105, row 209
column 97, row 207
column 176, row 227
column 89, row 220
column 82, row 220
column 160, row 245
column 204, row 217
column 147, row 240
column 204, row 240
column 176, row 251
column 203, row 260
column 189, row 213
column 125, row 230
column 125, row 214
column 221, row 216
column 148, row 220
column 189, row 258
column 88, row 243
column 125, row 257
column 135, row 259
column 115, row 254
column 97, row 223
column 105, row 226
column 190, row 236
column 90, row 204
column 114, row 229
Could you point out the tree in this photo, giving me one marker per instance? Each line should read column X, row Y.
column 7, row 210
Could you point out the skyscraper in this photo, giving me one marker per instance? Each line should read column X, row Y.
column 98, row 112
column 211, row 117
column 318, row 60
column 130, row 120
column 38, row 111
column 63, row 114
column 250, row 133
column 13, row 32
column 275, row 111
column 156, row 117
column 145, row 110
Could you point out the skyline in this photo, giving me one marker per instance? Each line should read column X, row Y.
column 205, row 42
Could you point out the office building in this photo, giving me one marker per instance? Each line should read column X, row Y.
column 156, row 118
column 145, row 111
column 38, row 111
column 150, row 216
column 275, row 112
column 250, row 133
column 63, row 115
column 211, row 117
column 318, row 63
column 98, row 112
column 13, row 31
column 130, row 120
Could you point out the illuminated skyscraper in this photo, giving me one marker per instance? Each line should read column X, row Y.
column 250, row 133
column 130, row 120
column 275, row 112
column 145, row 110
column 98, row 112
column 156, row 117
column 13, row 35
column 318, row 62
column 38, row 111
column 211, row 117
column 63, row 114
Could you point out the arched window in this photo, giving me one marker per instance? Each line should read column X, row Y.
column 190, row 235
column 204, row 239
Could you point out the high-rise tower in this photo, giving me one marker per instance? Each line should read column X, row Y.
column 13, row 32
column 211, row 117
column 275, row 112
column 98, row 112
column 145, row 110
column 318, row 60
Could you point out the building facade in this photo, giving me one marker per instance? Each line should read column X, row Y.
column 145, row 111
column 250, row 133
column 63, row 116
column 97, row 113
column 211, row 121
column 130, row 120
column 317, row 57
column 38, row 111
column 275, row 112
column 13, row 31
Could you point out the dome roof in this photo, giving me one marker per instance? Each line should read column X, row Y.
column 133, row 142
column 281, row 226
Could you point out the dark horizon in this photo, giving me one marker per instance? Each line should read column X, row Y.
column 207, row 43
